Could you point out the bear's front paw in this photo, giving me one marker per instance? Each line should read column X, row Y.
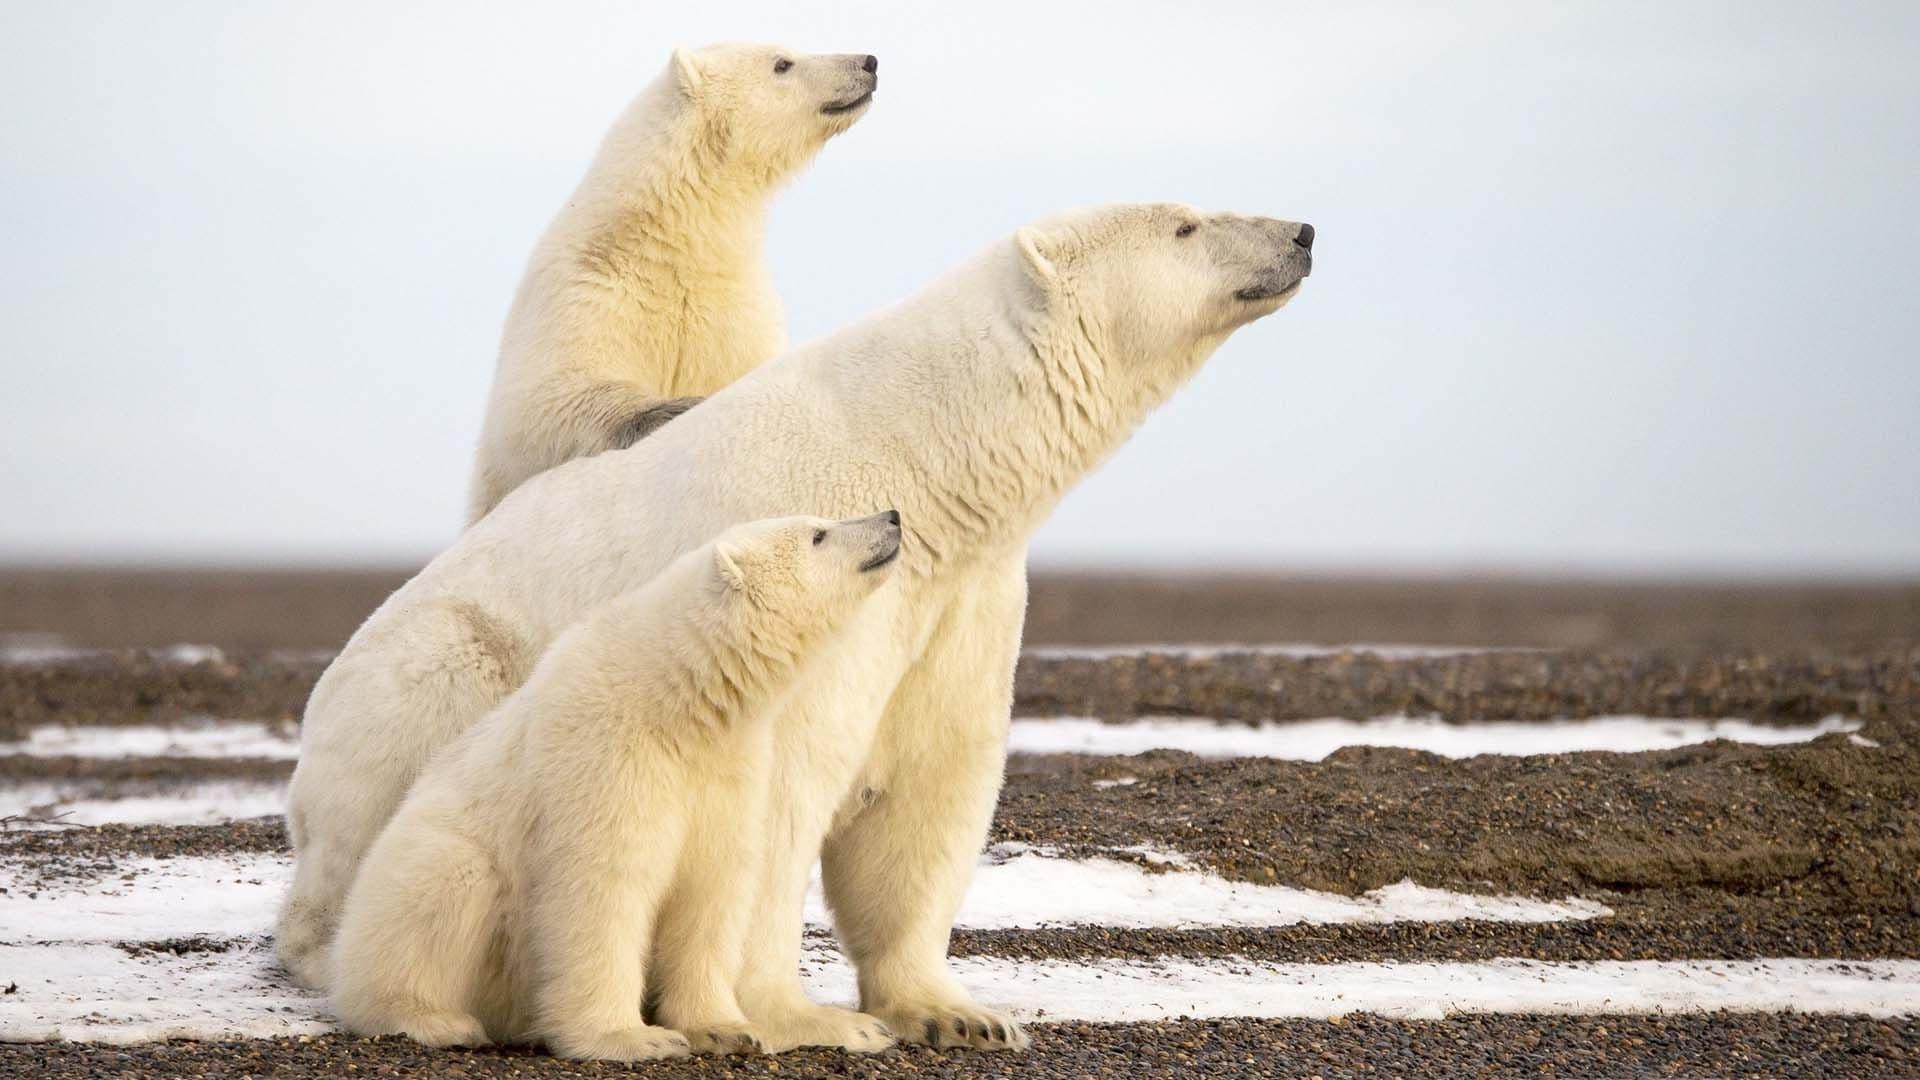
column 954, row 1025
column 725, row 1039
column 819, row 1025
column 441, row 1029
column 642, row 1042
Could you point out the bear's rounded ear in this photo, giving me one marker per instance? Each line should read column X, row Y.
column 727, row 569
column 686, row 69
column 1037, row 252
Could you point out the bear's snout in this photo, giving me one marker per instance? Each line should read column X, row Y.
column 861, row 78
column 882, row 538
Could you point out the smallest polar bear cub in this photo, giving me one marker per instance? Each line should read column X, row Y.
column 593, row 844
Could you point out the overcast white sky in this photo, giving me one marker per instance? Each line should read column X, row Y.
column 1600, row 286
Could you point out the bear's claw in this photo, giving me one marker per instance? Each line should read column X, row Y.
column 942, row 1026
column 442, row 1029
column 820, row 1025
column 726, row 1039
column 642, row 1042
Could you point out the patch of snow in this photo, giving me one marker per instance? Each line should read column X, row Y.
column 1124, row 781
column 191, row 804
column 1116, row 990
column 99, row 993
column 35, row 648
column 27, row 647
column 188, row 654
column 1014, row 887
column 1303, row 740
column 1309, row 740
column 1018, row 887
column 202, row 739
column 1155, row 855
column 302, row 656
column 1293, row 650
column 151, row 900
column 51, row 649
column 1313, row 740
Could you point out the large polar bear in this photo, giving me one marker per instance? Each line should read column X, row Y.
column 589, row 845
column 650, row 288
column 971, row 408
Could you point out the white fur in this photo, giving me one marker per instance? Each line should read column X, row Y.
column 971, row 407
column 651, row 283
column 590, row 844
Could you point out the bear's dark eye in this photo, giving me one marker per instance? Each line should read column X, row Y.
column 819, row 535
column 1185, row 230
column 781, row 66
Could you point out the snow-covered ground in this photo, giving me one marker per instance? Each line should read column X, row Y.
column 27, row 648
column 1294, row 650
column 98, row 992
column 68, row 945
column 213, row 801
column 1014, row 887
column 70, row 954
column 204, row 803
column 101, row 993
column 198, row 739
column 1114, row 990
column 52, row 649
column 1312, row 740
column 70, row 950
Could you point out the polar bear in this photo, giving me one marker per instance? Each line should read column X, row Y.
column 583, row 848
column 650, row 289
column 971, row 408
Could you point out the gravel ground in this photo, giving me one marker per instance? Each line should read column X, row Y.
column 1869, row 683
column 1728, row 1044
column 1714, row 851
column 318, row 608
column 130, row 687
column 1718, row 851
column 1874, row 684
column 1670, row 928
column 1825, row 822
column 1828, row 823
column 138, row 775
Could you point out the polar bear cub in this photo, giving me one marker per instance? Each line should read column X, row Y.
column 595, row 842
column 650, row 288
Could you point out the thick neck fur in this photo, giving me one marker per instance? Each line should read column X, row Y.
column 729, row 673
column 688, row 185
column 662, row 236
column 720, row 664
column 1001, row 428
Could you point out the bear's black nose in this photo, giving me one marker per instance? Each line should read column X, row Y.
column 893, row 516
column 1305, row 237
column 871, row 64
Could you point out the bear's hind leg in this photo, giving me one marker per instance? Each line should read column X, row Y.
column 301, row 933
column 370, row 727
column 311, row 911
column 418, row 927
